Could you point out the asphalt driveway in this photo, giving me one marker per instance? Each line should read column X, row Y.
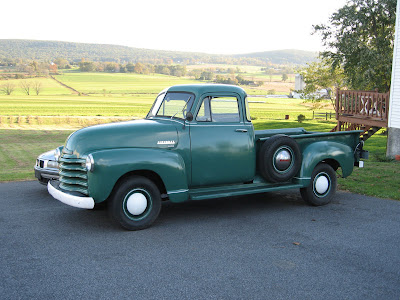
column 269, row 246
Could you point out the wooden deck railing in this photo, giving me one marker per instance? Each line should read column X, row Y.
column 360, row 107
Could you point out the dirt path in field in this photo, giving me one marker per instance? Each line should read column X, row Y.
column 68, row 87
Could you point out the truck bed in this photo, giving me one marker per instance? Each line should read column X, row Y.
column 260, row 134
column 299, row 133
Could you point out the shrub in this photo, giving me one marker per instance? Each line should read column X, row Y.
column 301, row 118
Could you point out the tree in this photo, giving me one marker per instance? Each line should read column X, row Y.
column 269, row 72
column 37, row 87
column 196, row 73
column 130, row 67
column 359, row 39
column 320, row 75
column 53, row 68
column 62, row 63
column 35, row 66
column 206, row 75
column 26, row 86
column 112, row 67
column 284, row 77
column 139, row 68
column 87, row 66
column 165, row 70
column 8, row 88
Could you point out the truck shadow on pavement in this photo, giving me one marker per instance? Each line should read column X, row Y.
column 201, row 213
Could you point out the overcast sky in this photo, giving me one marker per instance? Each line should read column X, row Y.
column 211, row 26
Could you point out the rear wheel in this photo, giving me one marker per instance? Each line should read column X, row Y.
column 136, row 203
column 322, row 187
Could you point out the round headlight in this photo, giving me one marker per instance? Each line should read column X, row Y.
column 89, row 163
column 57, row 154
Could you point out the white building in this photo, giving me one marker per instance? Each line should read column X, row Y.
column 393, row 145
column 299, row 83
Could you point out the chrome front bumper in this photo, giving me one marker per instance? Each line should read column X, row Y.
column 72, row 200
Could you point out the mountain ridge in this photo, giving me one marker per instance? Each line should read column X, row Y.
column 12, row 49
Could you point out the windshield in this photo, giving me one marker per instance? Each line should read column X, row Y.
column 174, row 104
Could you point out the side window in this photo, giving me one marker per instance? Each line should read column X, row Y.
column 204, row 114
column 219, row 109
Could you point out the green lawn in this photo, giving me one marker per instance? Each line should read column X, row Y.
column 20, row 148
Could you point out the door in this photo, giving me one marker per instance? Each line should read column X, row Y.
column 222, row 142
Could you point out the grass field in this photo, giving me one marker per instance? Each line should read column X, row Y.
column 134, row 105
column 245, row 71
column 48, row 87
column 30, row 125
column 119, row 95
column 120, row 83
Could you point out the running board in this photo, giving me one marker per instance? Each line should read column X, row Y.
column 239, row 190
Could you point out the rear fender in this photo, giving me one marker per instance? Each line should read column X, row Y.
column 111, row 165
column 317, row 152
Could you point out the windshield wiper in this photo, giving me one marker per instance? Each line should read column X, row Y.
column 183, row 109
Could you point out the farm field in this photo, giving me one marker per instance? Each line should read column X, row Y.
column 133, row 105
column 128, row 95
column 272, row 83
column 48, row 87
column 120, row 83
column 245, row 71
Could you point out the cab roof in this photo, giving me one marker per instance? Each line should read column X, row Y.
column 200, row 89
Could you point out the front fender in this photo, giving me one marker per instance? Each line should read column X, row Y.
column 110, row 165
column 316, row 152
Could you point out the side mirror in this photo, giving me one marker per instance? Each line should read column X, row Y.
column 189, row 116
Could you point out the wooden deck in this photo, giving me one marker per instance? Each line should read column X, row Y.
column 361, row 110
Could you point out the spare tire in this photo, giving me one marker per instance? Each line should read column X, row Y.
column 279, row 158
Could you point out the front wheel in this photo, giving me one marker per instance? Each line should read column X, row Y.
column 322, row 187
column 136, row 203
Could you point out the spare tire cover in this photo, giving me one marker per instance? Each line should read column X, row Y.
column 279, row 158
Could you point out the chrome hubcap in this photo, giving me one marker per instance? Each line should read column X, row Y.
column 136, row 204
column 283, row 159
column 321, row 184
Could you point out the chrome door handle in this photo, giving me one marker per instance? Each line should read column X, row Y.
column 241, row 130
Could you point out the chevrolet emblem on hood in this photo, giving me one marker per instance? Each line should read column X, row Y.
column 166, row 143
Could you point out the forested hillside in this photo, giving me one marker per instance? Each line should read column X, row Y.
column 47, row 51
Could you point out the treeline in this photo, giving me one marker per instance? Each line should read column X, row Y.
column 20, row 69
column 139, row 68
column 208, row 74
column 231, row 75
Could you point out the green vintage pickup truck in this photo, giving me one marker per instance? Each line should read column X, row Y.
column 197, row 142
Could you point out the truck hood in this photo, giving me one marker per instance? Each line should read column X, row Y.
column 139, row 134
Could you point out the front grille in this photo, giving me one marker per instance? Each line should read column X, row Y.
column 73, row 173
